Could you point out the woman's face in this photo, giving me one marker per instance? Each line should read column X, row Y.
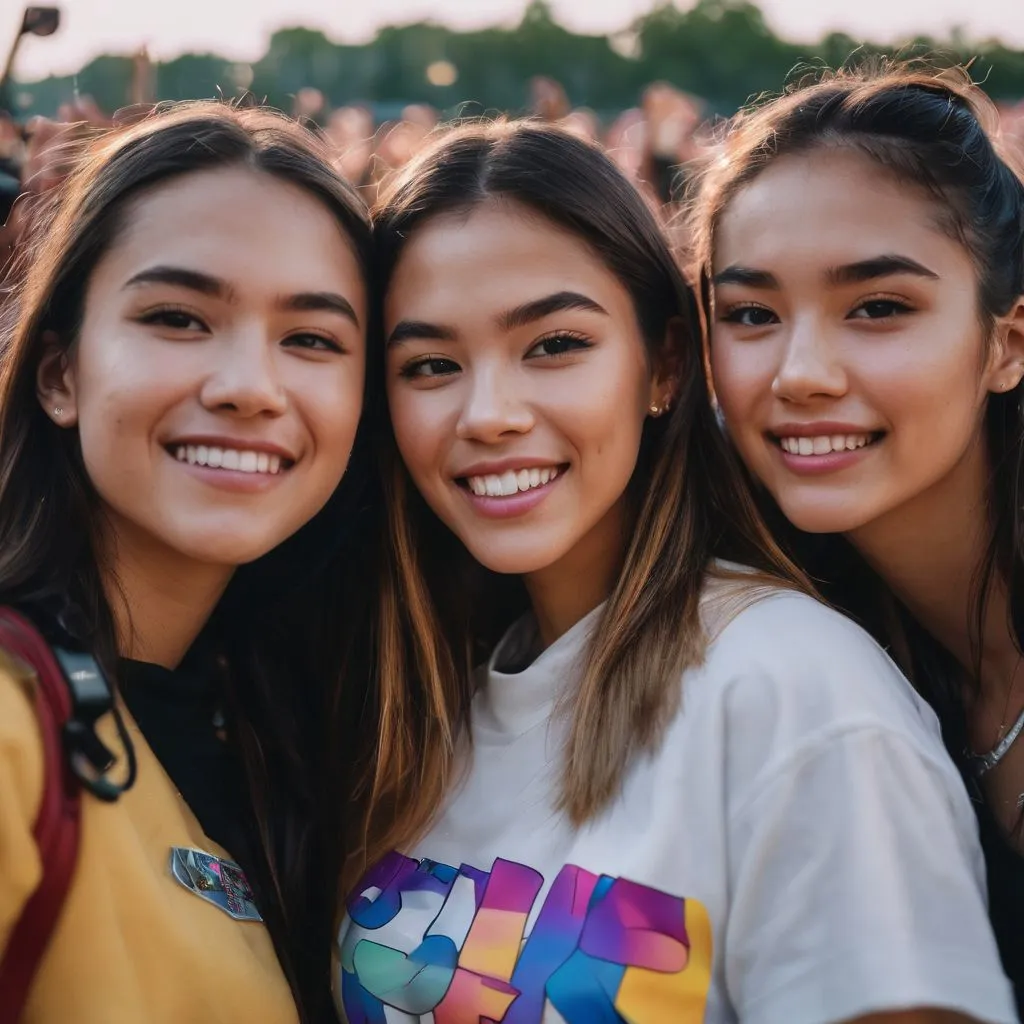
column 216, row 382
column 847, row 348
column 518, row 382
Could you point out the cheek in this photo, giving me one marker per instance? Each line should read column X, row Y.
column 332, row 404
column 742, row 379
column 424, row 425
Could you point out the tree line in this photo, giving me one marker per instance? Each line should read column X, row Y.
column 721, row 50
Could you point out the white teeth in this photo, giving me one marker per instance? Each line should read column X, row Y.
column 510, row 482
column 246, row 461
column 823, row 445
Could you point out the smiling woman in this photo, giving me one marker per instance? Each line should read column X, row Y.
column 180, row 388
column 863, row 239
column 662, row 794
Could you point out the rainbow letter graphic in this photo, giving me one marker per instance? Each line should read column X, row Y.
column 427, row 938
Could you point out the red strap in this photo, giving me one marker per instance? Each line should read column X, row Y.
column 57, row 827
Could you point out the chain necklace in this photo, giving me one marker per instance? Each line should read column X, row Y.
column 981, row 764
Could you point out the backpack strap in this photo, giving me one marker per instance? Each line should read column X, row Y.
column 70, row 695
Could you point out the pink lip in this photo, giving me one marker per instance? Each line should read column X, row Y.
column 232, row 480
column 815, row 465
column 515, row 504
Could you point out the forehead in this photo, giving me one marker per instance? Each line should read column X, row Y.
column 493, row 257
column 830, row 207
column 243, row 226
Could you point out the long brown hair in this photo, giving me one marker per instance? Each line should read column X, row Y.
column 938, row 134
column 441, row 611
column 282, row 658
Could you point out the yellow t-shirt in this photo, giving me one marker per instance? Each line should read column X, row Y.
column 132, row 945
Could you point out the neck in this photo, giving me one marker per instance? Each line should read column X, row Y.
column 929, row 552
column 160, row 599
column 564, row 592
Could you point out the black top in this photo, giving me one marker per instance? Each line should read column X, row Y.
column 1005, row 868
column 177, row 713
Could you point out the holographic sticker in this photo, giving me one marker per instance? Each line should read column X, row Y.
column 218, row 881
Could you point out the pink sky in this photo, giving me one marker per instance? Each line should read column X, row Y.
column 239, row 30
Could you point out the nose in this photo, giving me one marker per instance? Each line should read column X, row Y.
column 494, row 407
column 244, row 376
column 810, row 366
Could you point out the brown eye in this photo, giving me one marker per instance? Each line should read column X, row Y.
column 315, row 342
column 879, row 309
column 750, row 316
column 558, row 345
column 175, row 319
column 430, row 366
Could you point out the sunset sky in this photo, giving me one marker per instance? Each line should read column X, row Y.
column 239, row 30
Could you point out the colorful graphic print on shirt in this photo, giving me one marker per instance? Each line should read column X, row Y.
column 427, row 938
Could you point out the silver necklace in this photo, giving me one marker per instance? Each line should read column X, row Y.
column 982, row 764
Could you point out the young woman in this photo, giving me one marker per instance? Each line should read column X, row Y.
column 865, row 240
column 666, row 796
column 180, row 387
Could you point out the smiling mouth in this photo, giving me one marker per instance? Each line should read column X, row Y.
column 512, row 481
column 238, row 460
column 830, row 444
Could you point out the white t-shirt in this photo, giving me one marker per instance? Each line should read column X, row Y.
column 798, row 850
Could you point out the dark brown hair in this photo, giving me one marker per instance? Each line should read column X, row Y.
column 441, row 612
column 281, row 654
column 938, row 134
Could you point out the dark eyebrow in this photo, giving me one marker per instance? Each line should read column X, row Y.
column 877, row 266
column 410, row 330
column 559, row 302
column 327, row 302
column 191, row 279
column 747, row 276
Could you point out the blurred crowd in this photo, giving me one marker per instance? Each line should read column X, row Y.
column 653, row 142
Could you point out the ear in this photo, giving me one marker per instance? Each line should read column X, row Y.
column 1006, row 362
column 55, row 382
column 667, row 367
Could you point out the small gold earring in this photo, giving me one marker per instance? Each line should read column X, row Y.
column 654, row 410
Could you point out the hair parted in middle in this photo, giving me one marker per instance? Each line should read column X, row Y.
column 441, row 612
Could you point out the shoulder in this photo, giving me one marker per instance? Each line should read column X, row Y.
column 783, row 662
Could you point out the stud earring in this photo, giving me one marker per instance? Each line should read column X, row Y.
column 58, row 411
column 654, row 410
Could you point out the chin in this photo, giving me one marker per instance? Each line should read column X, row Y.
column 229, row 550
column 511, row 561
column 822, row 518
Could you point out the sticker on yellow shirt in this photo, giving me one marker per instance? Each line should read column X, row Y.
column 426, row 938
column 216, row 880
